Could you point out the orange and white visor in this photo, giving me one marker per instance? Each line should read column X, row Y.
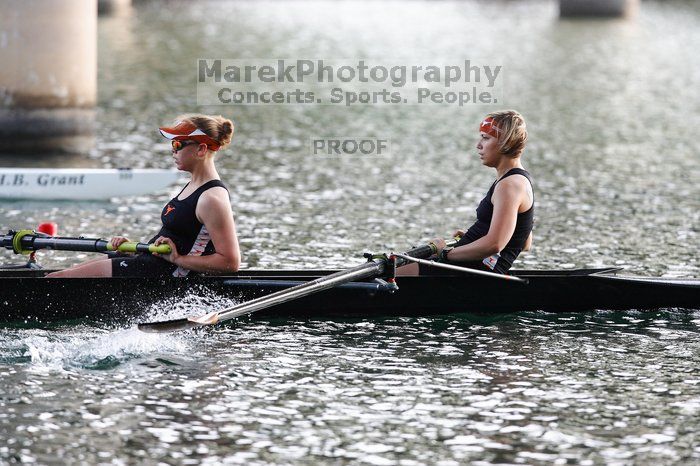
column 489, row 127
column 184, row 131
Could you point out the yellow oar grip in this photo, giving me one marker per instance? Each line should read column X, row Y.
column 160, row 249
column 130, row 246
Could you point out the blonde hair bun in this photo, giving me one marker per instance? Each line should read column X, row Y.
column 216, row 127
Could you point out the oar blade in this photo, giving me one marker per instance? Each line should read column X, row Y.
column 167, row 326
column 175, row 325
column 207, row 319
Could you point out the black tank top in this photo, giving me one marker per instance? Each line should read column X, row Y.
column 523, row 225
column 180, row 223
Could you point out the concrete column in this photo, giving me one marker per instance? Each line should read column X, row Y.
column 113, row 7
column 48, row 75
column 599, row 8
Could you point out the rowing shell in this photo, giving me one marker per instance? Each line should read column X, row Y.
column 81, row 183
column 31, row 300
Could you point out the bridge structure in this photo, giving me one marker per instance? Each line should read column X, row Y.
column 597, row 8
column 48, row 77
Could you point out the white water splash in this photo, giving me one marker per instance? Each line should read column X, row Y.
column 96, row 348
column 197, row 303
column 89, row 347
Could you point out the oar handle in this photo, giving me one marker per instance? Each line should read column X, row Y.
column 429, row 249
column 26, row 241
column 132, row 246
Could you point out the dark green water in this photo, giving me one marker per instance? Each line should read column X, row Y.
column 523, row 389
column 613, row 110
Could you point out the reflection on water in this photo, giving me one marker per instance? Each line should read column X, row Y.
column 612, row 110
column 601, row 387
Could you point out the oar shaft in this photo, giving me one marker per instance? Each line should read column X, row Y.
column 370, row 269
column 26, row 240
column 373, row 268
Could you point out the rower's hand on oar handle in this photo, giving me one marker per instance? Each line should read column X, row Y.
column 165, row 248
column 161, row 249
column 437, row 245
column 123, row 245
column 116, row 242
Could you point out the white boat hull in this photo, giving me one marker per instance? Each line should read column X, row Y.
column 81, row 183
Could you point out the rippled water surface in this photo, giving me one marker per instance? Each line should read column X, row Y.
column 613, row 110
column 530, row 388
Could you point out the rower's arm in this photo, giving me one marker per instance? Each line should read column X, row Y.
column 528, row 243
column 506, row 201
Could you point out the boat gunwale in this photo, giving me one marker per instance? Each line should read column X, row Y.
column 22, row 272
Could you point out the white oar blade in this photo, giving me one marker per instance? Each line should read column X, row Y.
column 175, row 325
column 207, row 319
column 168, row 326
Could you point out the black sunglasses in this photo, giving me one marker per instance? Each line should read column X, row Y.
column 179, row 145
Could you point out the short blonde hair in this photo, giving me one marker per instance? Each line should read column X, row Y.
column 216, row 127
column 512, row 132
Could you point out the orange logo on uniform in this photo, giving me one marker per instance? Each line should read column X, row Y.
column 168, row 209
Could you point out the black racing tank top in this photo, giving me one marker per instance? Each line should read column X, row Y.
column 523, row 226
column 180, row 223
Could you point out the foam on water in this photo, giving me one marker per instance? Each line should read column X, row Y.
column 95, row 349
column 194, row 303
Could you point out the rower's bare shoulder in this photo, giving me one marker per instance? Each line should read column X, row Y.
column 510, row 186
column 214, row 200
column 515, row 180
column 216, row 194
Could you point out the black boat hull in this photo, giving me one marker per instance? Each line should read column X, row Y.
column 27, row 298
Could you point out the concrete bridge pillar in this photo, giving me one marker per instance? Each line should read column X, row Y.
column 111, row 7
column 48, row 75
column 600, row 8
